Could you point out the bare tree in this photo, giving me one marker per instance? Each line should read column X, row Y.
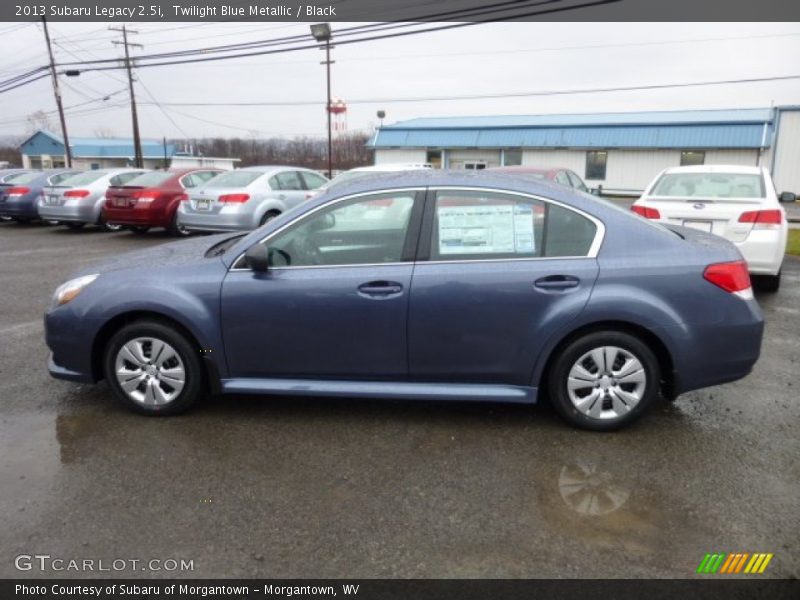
column 39, row 120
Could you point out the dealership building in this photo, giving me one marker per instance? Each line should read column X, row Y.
column 621, row 152
column 46, row 150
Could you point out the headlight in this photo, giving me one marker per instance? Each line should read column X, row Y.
column 68, row 291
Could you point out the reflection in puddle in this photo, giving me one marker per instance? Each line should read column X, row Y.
column 590, row 491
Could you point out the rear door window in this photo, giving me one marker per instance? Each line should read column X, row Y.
column 312, row 180
column 289, row 180
column 472, row 225
column 122, row 178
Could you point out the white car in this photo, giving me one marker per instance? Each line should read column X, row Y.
column 363, row 172
column 738, row 203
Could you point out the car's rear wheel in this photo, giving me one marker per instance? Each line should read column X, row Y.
column 768, row 283
column 106, row 226
column 153, row 369
column 176, row 228
column 268, row 216
column 604, row 380
column 139, row 229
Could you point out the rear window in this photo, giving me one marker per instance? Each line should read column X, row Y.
column 23, row 177
column 710, row 185
column 235, row 179
column 152, row 179
column 82, row 178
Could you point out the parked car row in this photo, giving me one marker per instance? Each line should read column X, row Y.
column 211, row 199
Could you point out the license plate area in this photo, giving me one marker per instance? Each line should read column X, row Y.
column 699, row 225
column 203, row 204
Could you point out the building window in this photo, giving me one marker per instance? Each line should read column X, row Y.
column 512, row 157
column 434, row 158
column 596, row 164
column 691, row 157
column 475, row 165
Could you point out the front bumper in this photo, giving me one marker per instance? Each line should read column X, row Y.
column 69, row 339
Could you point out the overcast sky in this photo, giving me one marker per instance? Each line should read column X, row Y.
column 483, row 59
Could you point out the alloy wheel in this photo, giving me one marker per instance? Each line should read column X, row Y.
column 150, row 371
column 606, row 382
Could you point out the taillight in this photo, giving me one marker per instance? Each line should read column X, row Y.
column 762, row 217
column 646, row 211
column 18, row 191
column 235, row 198
column 146, row 195
column 732, row 277
column 76, row 193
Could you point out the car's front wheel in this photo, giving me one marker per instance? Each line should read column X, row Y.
column 153, row 369
column 604, row 380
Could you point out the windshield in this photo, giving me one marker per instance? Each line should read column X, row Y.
column 82, row 178
column 151, row 179
column 235, row 179
column 709, row 185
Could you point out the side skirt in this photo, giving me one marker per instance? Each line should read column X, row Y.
column 475, row 392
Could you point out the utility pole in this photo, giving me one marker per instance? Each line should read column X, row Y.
column 57, row 92
column 137, row 142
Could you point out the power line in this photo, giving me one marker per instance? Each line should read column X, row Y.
column 137, row 142
column 497, row 95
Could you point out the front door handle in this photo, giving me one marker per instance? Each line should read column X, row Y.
column 380, row 289
column 556, row 283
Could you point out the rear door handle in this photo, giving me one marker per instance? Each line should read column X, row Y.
column 380, row 288
column 555, row 283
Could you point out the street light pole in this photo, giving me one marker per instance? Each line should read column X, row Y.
column 328, row 107
column 322, row 33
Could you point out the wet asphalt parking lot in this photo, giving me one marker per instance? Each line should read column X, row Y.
column 279, row 487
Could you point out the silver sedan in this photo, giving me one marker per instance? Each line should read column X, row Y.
column 78, row 200
column 247, row 198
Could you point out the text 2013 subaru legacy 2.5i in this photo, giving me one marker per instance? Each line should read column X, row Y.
column 422, row 285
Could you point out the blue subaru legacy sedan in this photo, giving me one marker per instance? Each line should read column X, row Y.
column 422, row 285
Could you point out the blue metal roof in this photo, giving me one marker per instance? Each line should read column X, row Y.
column 45, row 142
column 675, row 129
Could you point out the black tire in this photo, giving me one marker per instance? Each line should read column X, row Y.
column 189, row 356
column 768, row 283
column 106, row 226
column 74, row 226
column 21, row 220
column 176, row 229
column 570, row 355
column 139, row 229
column 268, row 216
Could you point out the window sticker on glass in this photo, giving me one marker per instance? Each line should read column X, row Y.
column 492, row 229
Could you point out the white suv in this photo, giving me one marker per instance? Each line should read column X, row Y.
column 736, row 202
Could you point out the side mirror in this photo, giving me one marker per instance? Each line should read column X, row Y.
column 787, row 197
column 257, row 257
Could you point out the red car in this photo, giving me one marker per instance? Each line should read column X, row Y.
column 556, row 174
column 152, row 199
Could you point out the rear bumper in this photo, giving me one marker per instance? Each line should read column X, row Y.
column 763, row 250
column 720, row 352
column 138, row 215
column 225, row 220
column 70, row 211
column 19, row 208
